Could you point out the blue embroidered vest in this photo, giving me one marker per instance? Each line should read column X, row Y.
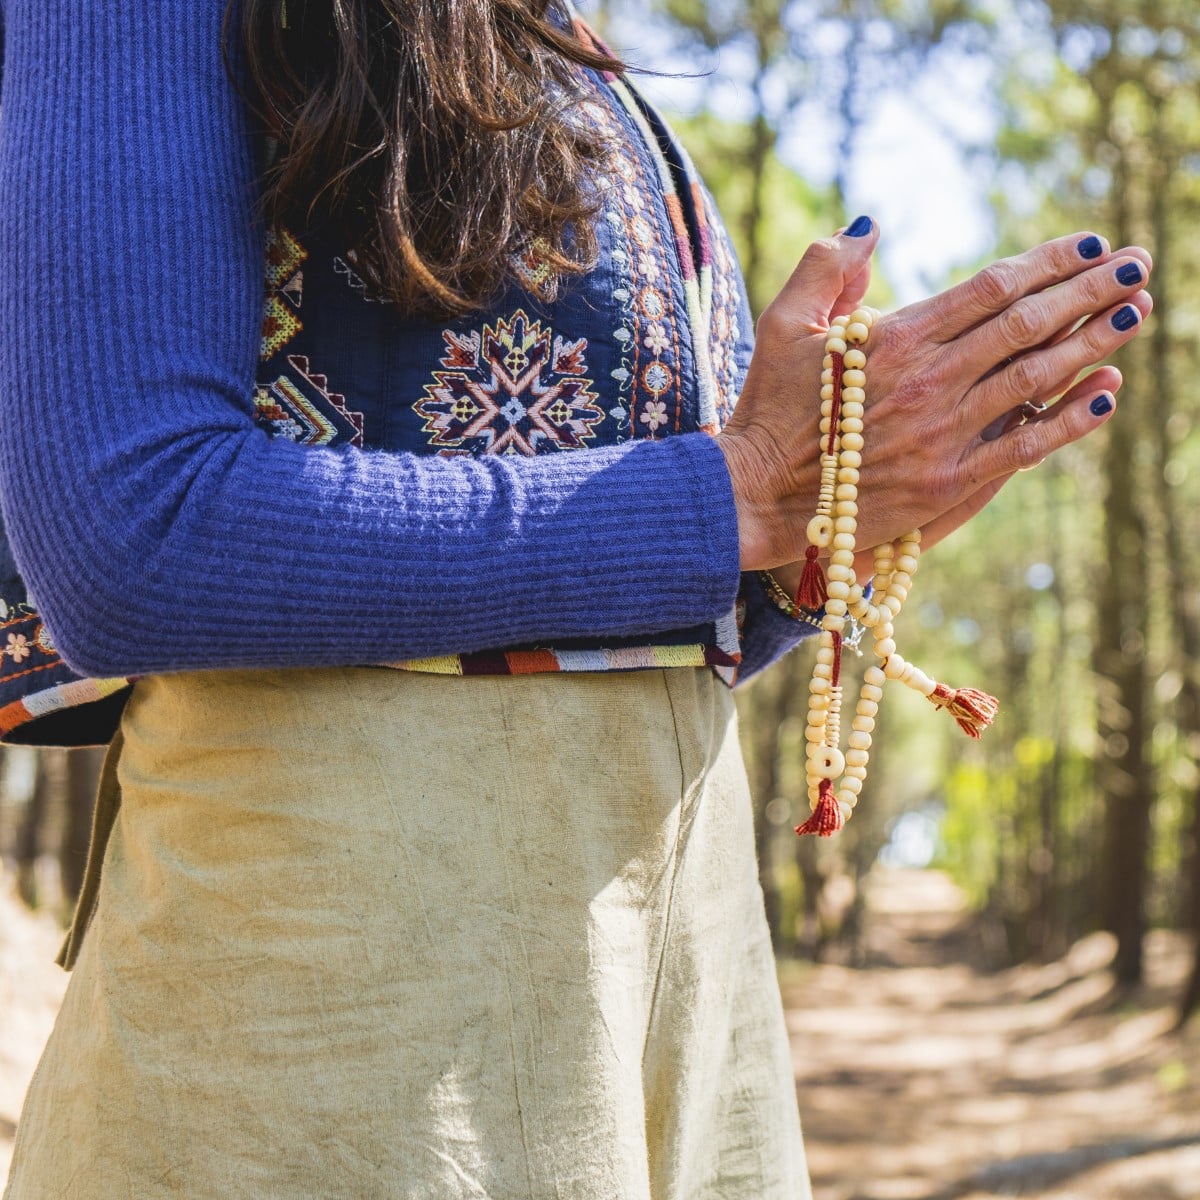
column 652, row 342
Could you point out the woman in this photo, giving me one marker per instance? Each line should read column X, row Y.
column 478, row 926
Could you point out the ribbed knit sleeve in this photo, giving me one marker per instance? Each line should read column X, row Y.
column 156, row 526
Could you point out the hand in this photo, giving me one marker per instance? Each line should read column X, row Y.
column 945, row 378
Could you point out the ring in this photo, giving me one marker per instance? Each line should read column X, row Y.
column 1029, row 410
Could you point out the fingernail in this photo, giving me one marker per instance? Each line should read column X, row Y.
column 1129, row 274
column 1126, row 318
column 860, row 227
column 1090, row 247
column 1101, row 405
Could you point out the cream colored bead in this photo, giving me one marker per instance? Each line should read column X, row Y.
column 855, row 360
column 902, row 580
column 820, row 531
column 859, row 740
column 853, row 442
column 851, row 458
column 818, row 706
column 884, row 629
column 893, row 668
column 885, row 647
column 846, row 491
column 857, row 332
column 864, row 315
column 851, row 784
column 855, row 772
column 827, row 392
column 851, row 408
column 843, row 558
column 844, row 524
column 814, row 734
column 823, row 671
column 854, row 377
column 846, row 802
column 853, row 395
column 835, row 345
column 828, row 761
column 835, row 608
column 893, row 603
column 856, row 758
column 838, row 590
column 843, row 541
column 847, row 509
column 841, row 573
column 851, row 425
column 920, row 682
column 826, row 425
column 874, row 677
column 867, row 708
column 819, row 687
column 862, row 724
column 847, row 475
column 832, row 622
column 871, row 691
column 906, row 563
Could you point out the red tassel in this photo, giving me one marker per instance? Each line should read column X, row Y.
column 973, row 710
column 826, row 818
column 835, row 413
column 812, row 592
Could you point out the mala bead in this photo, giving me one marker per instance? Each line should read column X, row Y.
column 835, row 528
column 820, row 531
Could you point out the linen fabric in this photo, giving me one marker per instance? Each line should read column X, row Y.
column 366, row 933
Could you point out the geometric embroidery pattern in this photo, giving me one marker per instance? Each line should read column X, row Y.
column 285, row 291
column 510, row 388
column 300, row 406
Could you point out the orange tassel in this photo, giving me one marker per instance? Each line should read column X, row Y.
column 826, row 818
column 973, row 710
column 812, row 591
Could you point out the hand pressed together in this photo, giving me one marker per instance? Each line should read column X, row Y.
column 947, row 381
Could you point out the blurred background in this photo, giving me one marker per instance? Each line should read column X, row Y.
column 990, row 972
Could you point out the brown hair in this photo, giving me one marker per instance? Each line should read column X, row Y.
column 441, row 135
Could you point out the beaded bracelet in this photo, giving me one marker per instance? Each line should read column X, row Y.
column 843, row 400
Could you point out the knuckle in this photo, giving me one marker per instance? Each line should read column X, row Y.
column 997, row 284
column 1023, row 447
column 823, row 250
column 1019, row 325
column 1029, row 377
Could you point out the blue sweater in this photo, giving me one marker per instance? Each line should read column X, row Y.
column 157, row 525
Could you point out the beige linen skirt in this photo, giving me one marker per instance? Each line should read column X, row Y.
column 371, row 933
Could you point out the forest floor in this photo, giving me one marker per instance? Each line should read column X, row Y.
column 922, row 1079
column 919, row 1078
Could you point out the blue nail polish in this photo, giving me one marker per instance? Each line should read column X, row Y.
column 1126, row 318
column 1129, row 274
column 1090, row 247
column 1101, row 405
column 860, row 228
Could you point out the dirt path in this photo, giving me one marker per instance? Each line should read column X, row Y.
column 921, row 1080
column 928, row 1081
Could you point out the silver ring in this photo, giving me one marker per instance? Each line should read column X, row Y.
column 1029, row 410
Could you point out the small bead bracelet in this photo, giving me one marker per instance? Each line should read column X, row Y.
column 782, row 601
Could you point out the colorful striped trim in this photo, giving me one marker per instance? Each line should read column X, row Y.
column 54, row 699
column 529, row 662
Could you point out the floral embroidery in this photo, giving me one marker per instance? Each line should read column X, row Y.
column 18, row 646
column 511, row 388
column 655, row 414
column 656, row 340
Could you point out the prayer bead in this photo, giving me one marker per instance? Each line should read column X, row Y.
column 820, row 531
column 853, row 442
column 827, row 760
column 854, row 377
column 857, row 333
column 855, row 359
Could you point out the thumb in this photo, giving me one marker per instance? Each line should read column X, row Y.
column 830, row 267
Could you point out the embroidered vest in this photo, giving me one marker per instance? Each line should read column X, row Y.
column 654, row 341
